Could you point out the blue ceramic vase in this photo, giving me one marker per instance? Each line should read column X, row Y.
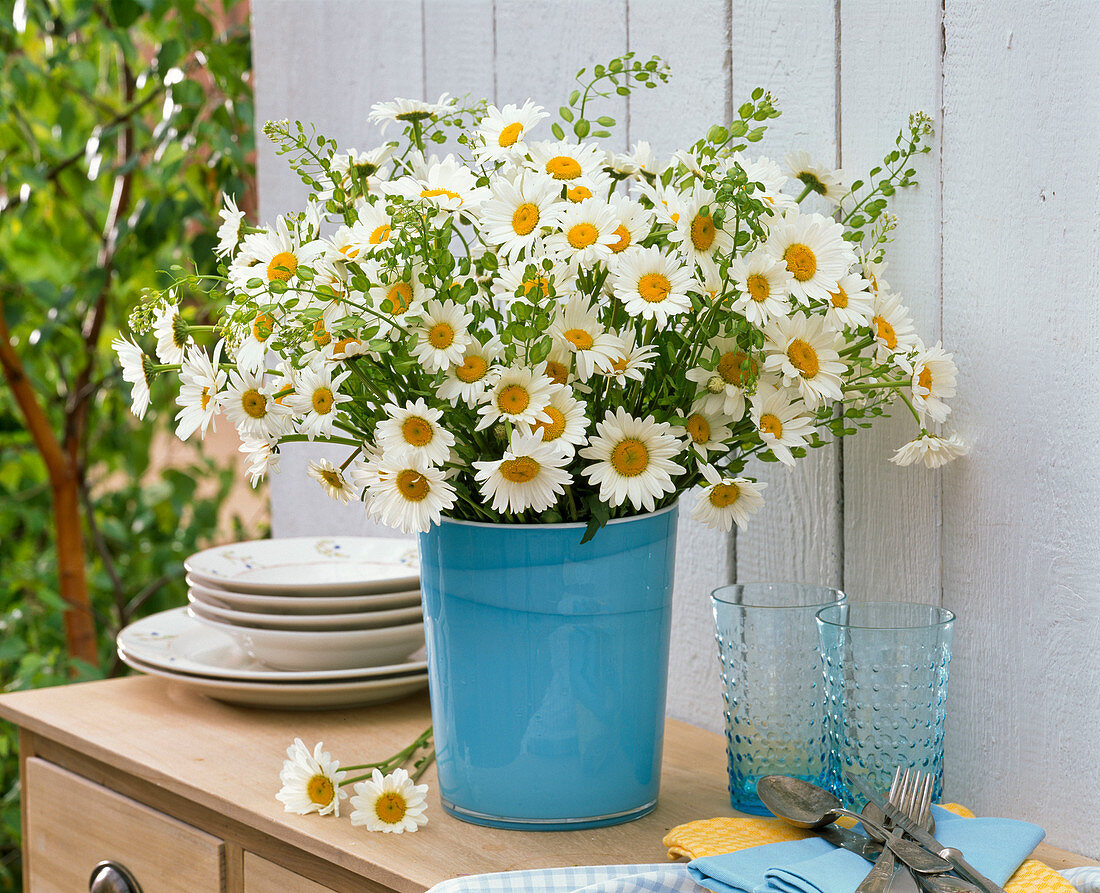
column 547, row 664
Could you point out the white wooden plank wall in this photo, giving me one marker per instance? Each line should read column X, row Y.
column 995, row 253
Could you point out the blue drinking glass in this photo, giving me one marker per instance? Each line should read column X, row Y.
column 771, row 670
column 885, row 666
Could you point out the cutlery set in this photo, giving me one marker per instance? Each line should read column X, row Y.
column 898, row 828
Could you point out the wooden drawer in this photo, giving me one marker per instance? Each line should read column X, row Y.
column 261, row 876
column 72, row 824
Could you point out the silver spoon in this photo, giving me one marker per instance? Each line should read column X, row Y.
column 805, row 805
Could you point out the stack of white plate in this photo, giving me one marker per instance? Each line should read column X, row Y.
column 301, row 622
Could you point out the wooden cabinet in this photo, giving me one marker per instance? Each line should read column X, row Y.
column 181, row 791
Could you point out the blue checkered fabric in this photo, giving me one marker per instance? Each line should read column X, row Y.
column 661, row 878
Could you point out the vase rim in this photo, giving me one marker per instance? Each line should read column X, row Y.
column 564, row 525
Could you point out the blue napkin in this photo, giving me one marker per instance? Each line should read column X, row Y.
column 995, row 847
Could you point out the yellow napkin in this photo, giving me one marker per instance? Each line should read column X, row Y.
column 712, row 837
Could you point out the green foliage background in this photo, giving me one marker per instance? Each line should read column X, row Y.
column 92, row 94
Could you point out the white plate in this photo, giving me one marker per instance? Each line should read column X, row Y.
column 297, row 604
column 292, row 696
column 309, row 565
column 175, row 642
column 361, row 620
column 329, row 649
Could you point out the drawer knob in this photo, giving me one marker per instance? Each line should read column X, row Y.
column 110, row 877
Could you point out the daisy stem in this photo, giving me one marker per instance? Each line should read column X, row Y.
column 912, row 409
column 874, row 385
column 392, row 762
column 344, row 465
column 806, row 190
column 418, row 136
column 424, row 765
column 191, row 328
column 858, row 346
column 572, row 504
column 298, row 438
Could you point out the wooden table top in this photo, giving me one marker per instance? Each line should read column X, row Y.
column 227, row 759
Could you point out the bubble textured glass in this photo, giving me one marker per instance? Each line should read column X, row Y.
column 771, row 674
column 885, row 668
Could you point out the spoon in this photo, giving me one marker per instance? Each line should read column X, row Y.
column 805, row 805
column 931, row 883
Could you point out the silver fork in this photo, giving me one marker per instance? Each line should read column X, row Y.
column 921, row 813
column 882, row 872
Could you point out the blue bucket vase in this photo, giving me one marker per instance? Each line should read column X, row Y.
column 547, row 665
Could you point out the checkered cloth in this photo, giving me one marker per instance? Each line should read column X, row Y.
column 578, row 879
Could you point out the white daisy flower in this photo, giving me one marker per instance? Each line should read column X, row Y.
column 502, row 134
column 723, row 503
column 448, row 184
column 519, row 395
column 652, row 284
column 931, row 449
column 633, row 361
column 783, row 423
column 577, row 328
column 640, row 162
column 765, row 286
column 170, row 330
column 331, row 479
column 584, row 232
column 934, row 375
column 804, row 351
column 354, row 170
column 396, row 299
column 136, row 369
column 270, row 256
column 468, row 379
column 373, row 220
column 814, row 252
column 723, row 389
column 873, row 272
column 409, row 494
column 530, row 475
column 513, row 217
column 818, row 178
column 635, row 222
column 229, row 233
column 707, row 432
column 251, row 405
column 262, row 455
column 347, row 347
column 392, row 804
column 852, row 304
column 414, row 430
column 563, row 423
column 695, row 232
column 406, row 111
column 199, row 400
column 571, row 165
column 632, row 459
column 892, row 327
column 311, row 782
column 316, row 398
column 441, row 335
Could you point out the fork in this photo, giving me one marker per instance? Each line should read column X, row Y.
column 920, row 811
column 882, row 872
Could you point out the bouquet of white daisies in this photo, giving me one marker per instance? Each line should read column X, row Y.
column 540, row 330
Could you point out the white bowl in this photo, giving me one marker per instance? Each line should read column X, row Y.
column 359, row 620
column 324, row 649
column 300, row 604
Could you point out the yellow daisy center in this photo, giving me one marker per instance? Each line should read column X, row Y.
column 321, row 335
column 803, row 357
column 344, row 343
column 839, row 297
column 400, row 296
column 553, row 429
column 282, row 266
column 416, row 431
column 390, row 807
column 924, row 380
column 562, row 167
column 322, row 401
column 509, row 135
column 624, row 239
column 702, row 232
column 722, row 496
column 350, row 252
column 579, row 338
column 525, row 218
column 654, row 288
column 521, row 470
column 379, row 234
column 541, row 283
column 412, row 485
column 885, row 332
column 873, row 280
column 436, row 193
column 441, row 336
column 263, row 326
column 320, row 790
column 801, row 261
column 578, row 193
column 513, row 399
column 736, row 368
column 204, row 398
column 758, row 287
column 332, row 477
column 630, row 457
column 581, row 235
column 698, row 427
column 473, row 369
column 557, row 372
column 254, row 403
column 770, row 424
column 620, row 364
